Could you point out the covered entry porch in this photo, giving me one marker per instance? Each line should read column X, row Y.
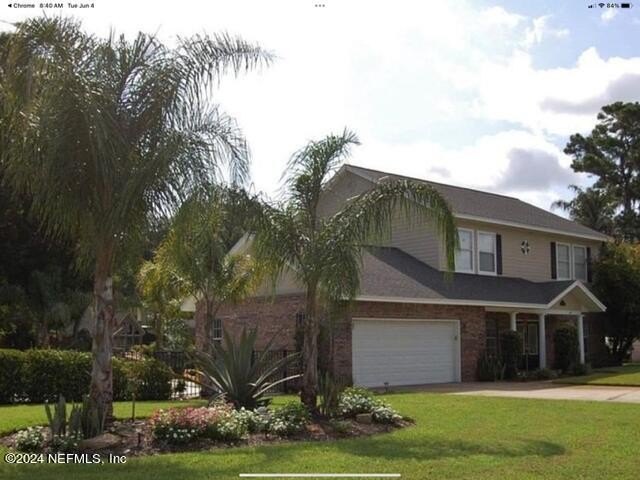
column 537, row 324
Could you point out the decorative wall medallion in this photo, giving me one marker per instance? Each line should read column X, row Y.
column 524, row 247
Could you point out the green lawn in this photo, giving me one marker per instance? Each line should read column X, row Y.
column 15, row 417
column 628, row 375
column 455, row 437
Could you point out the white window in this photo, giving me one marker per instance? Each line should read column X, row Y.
column 580, row 263
column 464, row 255
column 486, row 253
column 217, row 331
column 563, row 261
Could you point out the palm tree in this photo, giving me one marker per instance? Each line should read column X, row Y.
column 105, row 134
column 591, row 207
column 197, row 249
column 324, row 252
column 161, row 293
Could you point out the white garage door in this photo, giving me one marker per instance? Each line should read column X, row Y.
column 405, row 352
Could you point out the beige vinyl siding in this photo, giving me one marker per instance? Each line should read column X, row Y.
column 418, row 240
column 535, row 266
column 343, row 188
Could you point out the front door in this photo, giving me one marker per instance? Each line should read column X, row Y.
column 528, row 330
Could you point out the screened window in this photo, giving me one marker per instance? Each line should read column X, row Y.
column 217, row 330
column 486, row 252
column 580, row 263
column 464, row 255
column 563, row 258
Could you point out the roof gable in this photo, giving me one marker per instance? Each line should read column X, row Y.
column 489, row 207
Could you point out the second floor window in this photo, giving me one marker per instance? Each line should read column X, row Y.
column 464, row 255
column 486, row 252
column 580, row 263
column 564, row 261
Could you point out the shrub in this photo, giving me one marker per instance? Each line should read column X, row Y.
column 234, row 370
column 355, row 400
column 183, row 425
column 120, row 380
column 46, row 374
column 43, row 375
column 11, row 388
column 150, row 379
column 566, row 347
column 255, row 420
column 289, row 419
column 65, row 444
column 581, row 369
column 385, row 414
column 30, row 440
column 511, row 350
column 489, row 368
column 545, row 374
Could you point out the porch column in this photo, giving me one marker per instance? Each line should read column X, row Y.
column 581, row 337
column 512, row 321
column 542, row 337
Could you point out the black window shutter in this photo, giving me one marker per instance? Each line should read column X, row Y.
column 589, row 274
column 499, row 254
column 554, row 271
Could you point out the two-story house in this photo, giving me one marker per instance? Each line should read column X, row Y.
column 518, row 267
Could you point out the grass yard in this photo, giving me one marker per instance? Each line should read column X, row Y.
column 454, row 437
column 627, row 375
column 16, row 417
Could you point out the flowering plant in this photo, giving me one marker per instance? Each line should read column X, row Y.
column 357, row 400
column 288, row 419
column 182, row 425
column 29, row 440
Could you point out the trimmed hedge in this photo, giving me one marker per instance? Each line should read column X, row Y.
column 567, row 349
column 511, row 350
column 10, row 379
column 40, row 375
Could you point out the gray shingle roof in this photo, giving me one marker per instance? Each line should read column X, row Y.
column 466, row 201
column 389, row 272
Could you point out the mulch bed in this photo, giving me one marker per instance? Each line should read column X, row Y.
column 136, row 438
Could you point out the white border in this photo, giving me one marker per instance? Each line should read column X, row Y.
column 485, row 303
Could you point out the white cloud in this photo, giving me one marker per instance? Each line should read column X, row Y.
column 499, row 17
column 484, row 164
column 609, row 14
column 541, row 30
column 513, row 90
column 394, row 74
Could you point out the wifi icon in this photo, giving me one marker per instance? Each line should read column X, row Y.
column 601, row 5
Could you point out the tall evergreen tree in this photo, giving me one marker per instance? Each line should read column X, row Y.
column 611, row 153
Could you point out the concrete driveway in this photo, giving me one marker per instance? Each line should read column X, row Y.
column 543, row 390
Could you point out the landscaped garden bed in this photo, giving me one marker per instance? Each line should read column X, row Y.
column 219, row 425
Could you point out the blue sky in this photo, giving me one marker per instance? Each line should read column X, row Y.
column 479, row 94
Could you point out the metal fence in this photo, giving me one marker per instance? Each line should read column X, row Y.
column 184, row 386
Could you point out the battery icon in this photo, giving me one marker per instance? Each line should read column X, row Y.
column 625, row 5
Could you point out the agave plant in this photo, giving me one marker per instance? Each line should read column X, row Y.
column 242, row 376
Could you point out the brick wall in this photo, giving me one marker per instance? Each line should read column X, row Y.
column 276, row 316
column 272, row 316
